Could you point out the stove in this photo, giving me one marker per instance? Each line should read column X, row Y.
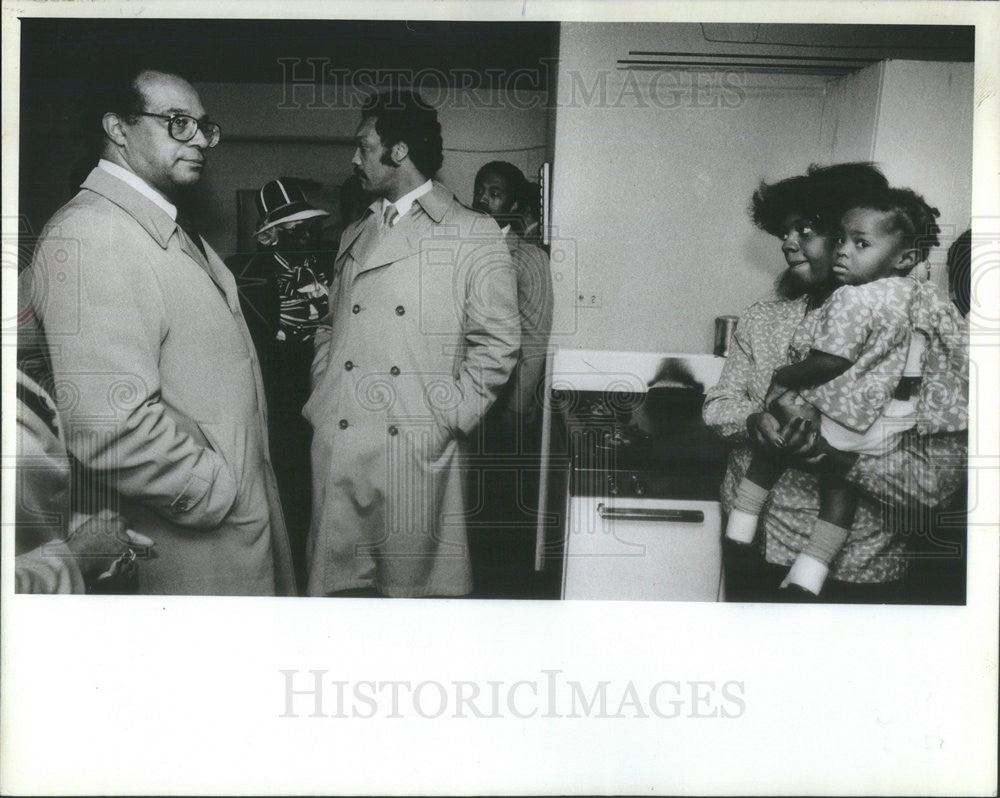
column 642, row 515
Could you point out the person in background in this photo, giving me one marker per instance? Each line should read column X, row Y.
column 499, row 192
column 924, row 470
column 512, row 428
column 938, row 560
column 960, row 272
column 55, row 553
column 422, row 335
column 284, row 290
column 162, row 400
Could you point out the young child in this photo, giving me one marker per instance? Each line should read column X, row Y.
column 878, row 338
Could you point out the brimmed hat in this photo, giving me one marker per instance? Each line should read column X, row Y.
column 283, row 201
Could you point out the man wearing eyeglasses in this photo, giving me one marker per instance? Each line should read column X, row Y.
column 156, row 378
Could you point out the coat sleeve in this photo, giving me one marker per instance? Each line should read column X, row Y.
column 535, row 300
column 104, row 320
column 491, row 327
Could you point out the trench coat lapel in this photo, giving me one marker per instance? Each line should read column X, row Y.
column 352, row 233
column 397, row 244
column 221, row 276
column 372, row 251
column 212, row 266
column 160, row 226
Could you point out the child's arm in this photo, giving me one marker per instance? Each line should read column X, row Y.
column 817, row 368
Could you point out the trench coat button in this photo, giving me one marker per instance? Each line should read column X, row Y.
column 342, row 423
column 393, row 431
column 394, row 371
column 349, row 365
column 356, row 309
column 400, row 310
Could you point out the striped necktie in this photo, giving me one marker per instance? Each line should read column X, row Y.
column 388, row 217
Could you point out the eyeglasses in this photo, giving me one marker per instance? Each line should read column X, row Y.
column 182, row 127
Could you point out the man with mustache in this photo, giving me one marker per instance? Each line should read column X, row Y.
column 502, row 548
column 423, row 333
column 157, row 384
column 500, row 188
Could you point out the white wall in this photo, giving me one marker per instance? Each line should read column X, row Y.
column 924, row 138
column 650, row 197
column 654, row 200
column 850, row 113
column 914, row 119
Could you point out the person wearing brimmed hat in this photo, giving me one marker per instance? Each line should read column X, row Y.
column 283, row 291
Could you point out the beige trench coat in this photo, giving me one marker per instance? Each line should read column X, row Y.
column 159, row 391
column 423, row 332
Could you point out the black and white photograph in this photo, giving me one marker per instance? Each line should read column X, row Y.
column 645, row 362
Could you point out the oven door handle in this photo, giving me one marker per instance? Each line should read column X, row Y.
column 651, row 514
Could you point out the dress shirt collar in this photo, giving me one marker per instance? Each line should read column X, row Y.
column 139, row 185
column 404, row 203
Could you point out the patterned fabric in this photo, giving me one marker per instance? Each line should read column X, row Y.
column 924, row 470
column 943, row 403
column 870, row 325
column 304, row 298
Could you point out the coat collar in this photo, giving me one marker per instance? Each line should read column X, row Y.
column 153, row 218
column 436, row 202
column 157, row 222
column 363, row 242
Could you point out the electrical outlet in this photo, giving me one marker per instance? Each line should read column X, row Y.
column 588, row 299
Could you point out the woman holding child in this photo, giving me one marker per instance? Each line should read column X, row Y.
column 776, row 549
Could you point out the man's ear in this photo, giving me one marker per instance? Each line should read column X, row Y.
column 112, row 124
column 907, row 259
column 399, row 152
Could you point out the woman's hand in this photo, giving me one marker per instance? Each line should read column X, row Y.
column 765, row 431
column 803, row 443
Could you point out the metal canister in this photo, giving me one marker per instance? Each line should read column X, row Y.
column 724, row 327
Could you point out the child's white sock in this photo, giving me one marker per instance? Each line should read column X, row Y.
column 808, row 573
column 747, row 504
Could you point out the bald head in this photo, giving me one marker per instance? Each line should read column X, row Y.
column 138, row 138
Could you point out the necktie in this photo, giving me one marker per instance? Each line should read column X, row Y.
column 388, row 216
column 186, row 223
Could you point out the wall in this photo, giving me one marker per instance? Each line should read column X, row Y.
column 654, row 199
column 924, row 139
column 850, row 112
column 263, row 140
column 914, row 119
column 653, row 172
